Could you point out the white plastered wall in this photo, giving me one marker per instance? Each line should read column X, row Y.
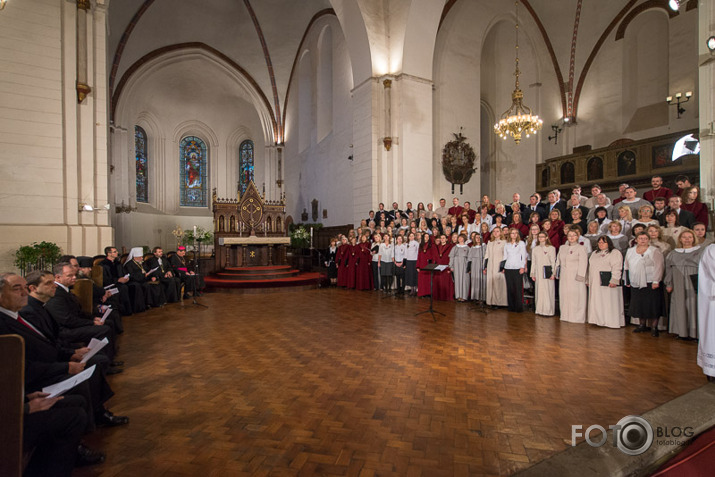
column 317, row 164
column 53, row 151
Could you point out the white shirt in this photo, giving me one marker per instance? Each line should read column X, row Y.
column 13, row 314
column 515, row 255
column 400, row 252
column 413, row 249
column 387, row 252
column 64, row 287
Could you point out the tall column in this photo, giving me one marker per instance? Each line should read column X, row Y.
column 367, row 147
column 412, row 113
column 706, row 91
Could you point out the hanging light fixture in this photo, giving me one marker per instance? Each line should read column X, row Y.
column 518, row 119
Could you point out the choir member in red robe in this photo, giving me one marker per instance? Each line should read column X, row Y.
column 443, row 288
column 363, row 272
column 557, row 224
column 553, row 233
column 691, row 203
column 340, row 257
column 351, row 263
column 425, row 256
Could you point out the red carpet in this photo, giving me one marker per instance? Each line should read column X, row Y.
column 275, row 276
column 695, row 461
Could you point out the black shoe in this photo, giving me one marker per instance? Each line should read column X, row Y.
column 655, row 333
column 87, row 456
column 641, row 329
column 117, row 363
column 110, row 420
column 114, row 370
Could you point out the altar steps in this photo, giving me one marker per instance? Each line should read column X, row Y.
column 258, row 273
column 255, row 279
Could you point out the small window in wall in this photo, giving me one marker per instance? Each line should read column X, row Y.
column 567, row 173
column 245, row 153
column 545, row 177
column 193, row 165
column 626, row 163
column 142, row 166
column 594, row 168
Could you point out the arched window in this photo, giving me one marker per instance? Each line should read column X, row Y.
column 142, row 166
column 567, row 173
column 594, row 168
column 626, row 163
column 193, row 159
column 245, row 153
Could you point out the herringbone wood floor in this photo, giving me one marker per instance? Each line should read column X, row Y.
column 335, row 382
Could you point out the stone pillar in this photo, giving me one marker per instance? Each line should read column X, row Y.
column 412, row 115
column 706, row 90
column 368, row 151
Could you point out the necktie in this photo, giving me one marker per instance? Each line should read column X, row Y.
column 22, row 321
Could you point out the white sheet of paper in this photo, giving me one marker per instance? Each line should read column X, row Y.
column 94, row 347
column 113, row 291
column 126, row 276
column 106, row 314
column 441, row 268
column 152, row 270
column 63, row 386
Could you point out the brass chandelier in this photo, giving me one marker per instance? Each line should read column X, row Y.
column 518, row 119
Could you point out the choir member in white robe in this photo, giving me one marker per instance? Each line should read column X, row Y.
column 605, row 303
column 476, row 261
column 706, row 312
column 572, row 263
column 681, row 264
column 644, row 271
column 544, row 255
column 496, row 283
column 619, row 240
column 458, row 258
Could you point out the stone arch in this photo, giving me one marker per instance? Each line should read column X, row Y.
column 162, row 57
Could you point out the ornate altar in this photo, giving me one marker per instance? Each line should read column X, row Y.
column 249, row 231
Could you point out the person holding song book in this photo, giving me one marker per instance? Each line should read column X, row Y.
column 681, row 281
column 494, row 270
column 605, row 299
column 571, row 266
column 644, row 271
column 543, row 266
column 475, row 268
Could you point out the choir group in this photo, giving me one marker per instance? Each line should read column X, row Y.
column 589, row 259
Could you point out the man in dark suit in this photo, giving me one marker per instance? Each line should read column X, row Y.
column 555, row 203
column 534, row 206
column 685, row 218
column 50, row 427
column 130, row 293
column 50, row 361
column 193, row 283
column 171, row 283
column 575, row 203
column 76, row 326
column 660, row 205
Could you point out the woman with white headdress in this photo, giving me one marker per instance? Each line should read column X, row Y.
column 153, row 291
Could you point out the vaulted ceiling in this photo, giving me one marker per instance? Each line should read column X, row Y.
column 262, row 37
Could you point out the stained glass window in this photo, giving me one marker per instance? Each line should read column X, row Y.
column 245, row 164
column 193, row 159
column 142, row 165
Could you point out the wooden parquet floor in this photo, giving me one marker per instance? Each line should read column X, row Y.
column 336, row 382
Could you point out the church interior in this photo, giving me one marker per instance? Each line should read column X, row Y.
column 125, row 121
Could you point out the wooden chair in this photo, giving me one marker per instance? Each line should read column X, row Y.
column 83, row 290
column 12, row 372
column 98, row 272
